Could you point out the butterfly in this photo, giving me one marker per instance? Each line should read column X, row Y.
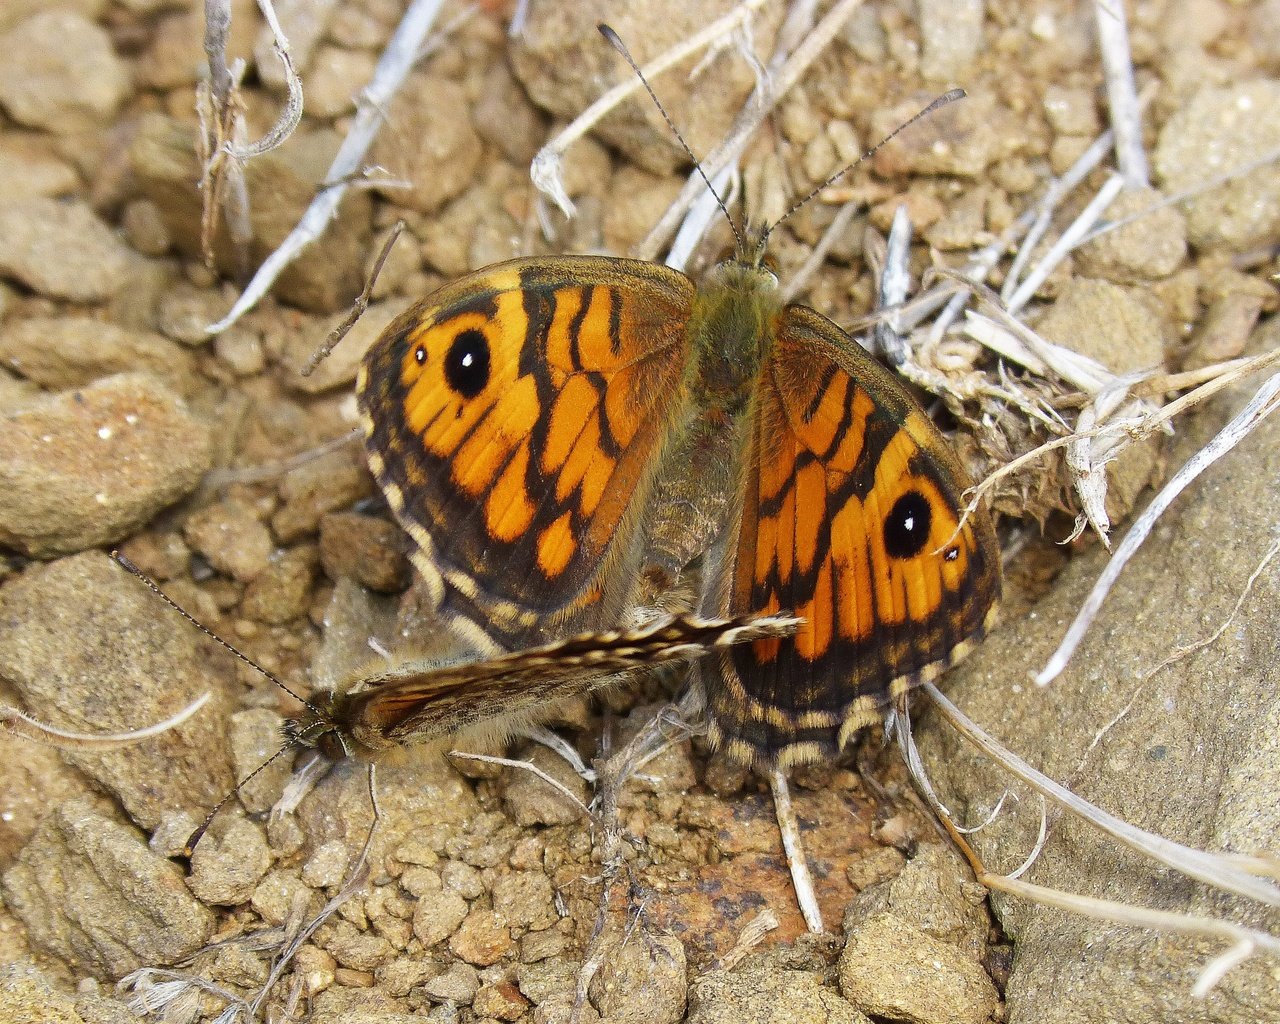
column 565, row 438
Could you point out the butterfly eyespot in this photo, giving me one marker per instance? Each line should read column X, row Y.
column 420, row 355
column 951, row 554
column 466, row 364
column 906, row 530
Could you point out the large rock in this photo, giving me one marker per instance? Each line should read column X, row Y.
column 1189, row 753
column 89, row 467
column 90, row 649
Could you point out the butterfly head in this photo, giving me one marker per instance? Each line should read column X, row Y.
column 320, row 729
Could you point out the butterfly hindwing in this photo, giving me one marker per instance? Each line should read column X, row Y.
column 851, row 520
column 514, row 420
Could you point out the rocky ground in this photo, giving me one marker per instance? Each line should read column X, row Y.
column 122, row 422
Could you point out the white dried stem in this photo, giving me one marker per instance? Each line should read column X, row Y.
column 785, row 69
column 887, row 337
column 1190, row 192
column 545, row 170
column 1122, row 96
column 1011, row 339
column 1262, row 403
column 555, row 742
column 529, row 767
column 1139, row 428
column 395, row 63
column 1044, row 210
column 1245, row 941
column 705, row 209
column 1222, row 872
column 793, row 846
column 17, row 723
column 1069, row 240
column 292, row 112
column 818, row 254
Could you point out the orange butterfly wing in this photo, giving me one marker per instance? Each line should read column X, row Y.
column 514, row 420
column 851, row 520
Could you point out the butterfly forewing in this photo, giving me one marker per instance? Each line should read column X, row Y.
column 850, row 519
column 514, row 420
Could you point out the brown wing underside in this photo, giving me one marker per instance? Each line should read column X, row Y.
column 411, row 705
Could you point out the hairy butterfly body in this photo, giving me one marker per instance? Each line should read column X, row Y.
column 539, row 427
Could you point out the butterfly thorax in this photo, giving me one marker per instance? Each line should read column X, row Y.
column 732, row 327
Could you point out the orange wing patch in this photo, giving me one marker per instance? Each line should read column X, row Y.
column 517, row 415
column 850, row 521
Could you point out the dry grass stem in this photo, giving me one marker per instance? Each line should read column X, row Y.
column 838, row 227
column 1243, row 876
column 793, row 846
column 1262, row 403
column 402, row 52
column 528, row 766
column 784, row 69
column 1220, row 871
column 358, row 307
column 545, row 170
column 223, row 150
column 887, row 339
column 1122, row 95
column 752, row 934
column 1069, row 239
column 18, row 723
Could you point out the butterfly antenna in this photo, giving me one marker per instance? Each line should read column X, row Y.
column 190, row 846
column 616, row 42
column 123, row 561
column 941, row 101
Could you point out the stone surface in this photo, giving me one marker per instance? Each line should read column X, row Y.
column 963, row 139
column 1151, row 246
column 89, row 467
column 364, row 548
column 482, row 939
column 767, row 995
column 67, row 352
column 1189, row 752
column 92, row 894
column 229, row 862
column 892, row 968
column 62, row 250
column 231, row 538
column 1218, row 130
column 951, row 38
column 935, row 892
column 338, row 369
column 433, row 145
column 90, row 649
column 60, row 72
column 30, row 167
column 333, row 482
column 642, row 980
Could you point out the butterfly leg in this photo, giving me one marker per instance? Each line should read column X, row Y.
column 792, row 844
